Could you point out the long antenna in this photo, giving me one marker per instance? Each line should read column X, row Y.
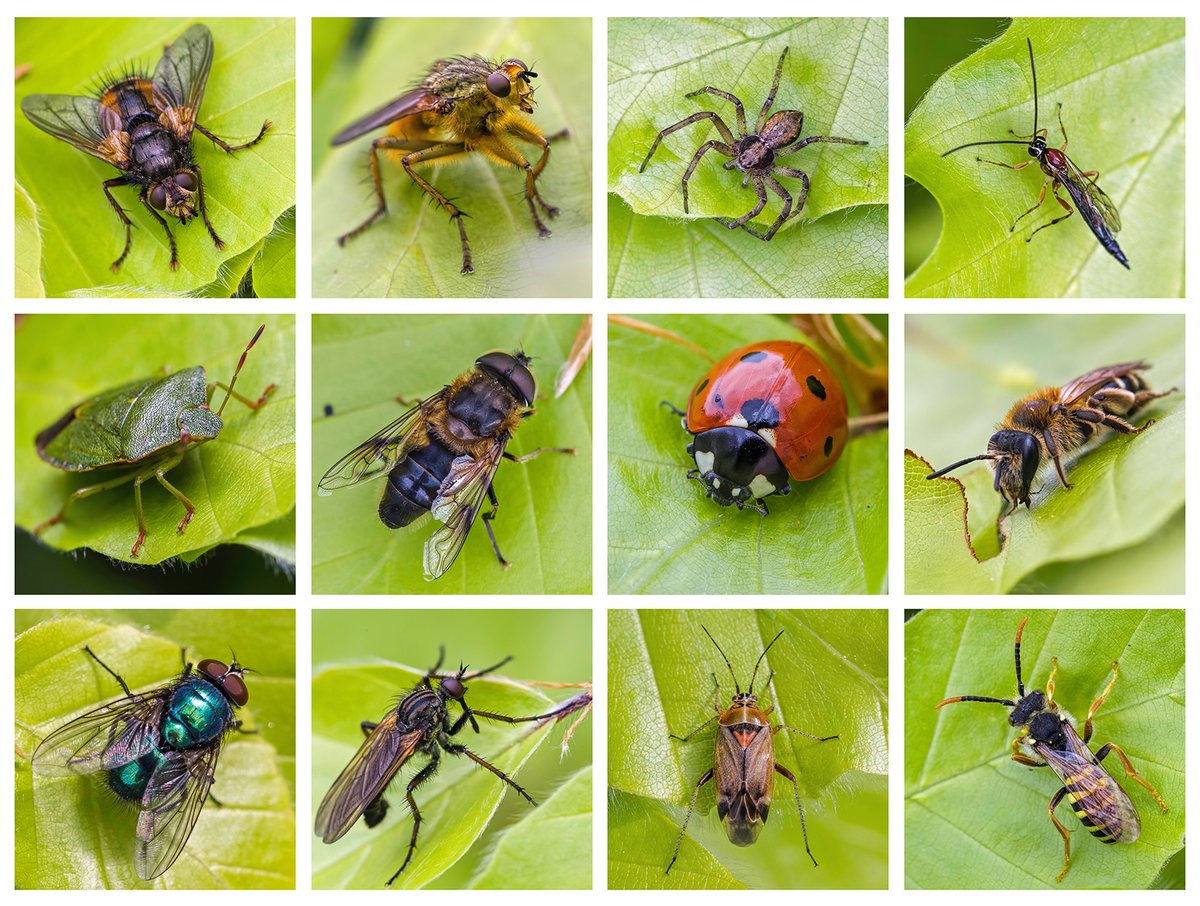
column 1017, row 657
column 1010, row 141
column 962, row 462
column 736, row 687
column 238, row 370
column 760, row 660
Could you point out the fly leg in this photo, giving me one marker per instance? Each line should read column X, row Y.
column 445, row 149
column 387, row 143
column 421, row 776
column 108, row 184
column 80, row 495
column 463, row 750
column 1062, row 201
column 728, row 151
column 229, row 149
column 166, row 227
column 487, row 524
column 1130, row 771
column 543, row 142
column 497, row 148
column 759, row 189
column 708, row 775
column 1063, row 832
column 110, row 670
column 784, row 772
column 195, row 168
column 534, row 454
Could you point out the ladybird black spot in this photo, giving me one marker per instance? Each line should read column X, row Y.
column 759, row 414
column 756, row 356
column 700, row 386
column 828, row 445
column 815, row 386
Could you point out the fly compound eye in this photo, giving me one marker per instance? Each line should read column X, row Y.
column 185, row 181
column 158, row 197
column 453, row 687
column 235, row 688
column 498, row 84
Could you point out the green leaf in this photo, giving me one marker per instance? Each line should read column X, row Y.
column 275, row 269
column 544, row 524
column 835, row 72
column 1121, row 85
column 414, row 251
column 252, row 79
column 74, row 834
column 243, row 478
column 1126, row 490
column 828, row 536
column 28, row 241
column 561, row 825
column 831, row 679
column 963, row 794
column 275, row 539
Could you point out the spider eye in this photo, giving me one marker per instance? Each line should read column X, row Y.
column 158, row 197
column 498, row 84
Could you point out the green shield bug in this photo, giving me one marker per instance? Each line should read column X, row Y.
column 145, row 427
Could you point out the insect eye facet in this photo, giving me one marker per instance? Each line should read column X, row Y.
column 158, row 197
column 185, row 181
column 498, row 84
column 453, row 687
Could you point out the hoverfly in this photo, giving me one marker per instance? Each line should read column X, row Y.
column 420, row 724
column 143, row 126
column 744, row 764
column 157, row 751
column 1097, row 208
column 1054, row 421
column 1050, row 739
column 441, row 455
column 463, row 105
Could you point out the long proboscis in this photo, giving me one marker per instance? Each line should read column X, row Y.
column 1033, row 71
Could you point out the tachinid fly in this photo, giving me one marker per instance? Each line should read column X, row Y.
column 156, row 750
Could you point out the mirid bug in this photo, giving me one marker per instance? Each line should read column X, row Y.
column 1050, row 739
column 744, row 761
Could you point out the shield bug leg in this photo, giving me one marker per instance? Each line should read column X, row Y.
column 80, row 495
column 784, row 772
column 108, row 184
column 708, row 775
column 178, row 494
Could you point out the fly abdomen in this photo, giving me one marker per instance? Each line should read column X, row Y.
column 414, row 483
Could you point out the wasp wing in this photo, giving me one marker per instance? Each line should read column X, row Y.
column 457, row 504
column 1108, row 806
column 1086, row 384
column 109, row 737
column 182, row 73
column 379, row 453
column 1093, row 202
column 416, row 101
column 365, row 777
column 73, row 119
column 172, row 803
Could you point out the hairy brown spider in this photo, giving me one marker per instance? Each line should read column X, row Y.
column 754, row 153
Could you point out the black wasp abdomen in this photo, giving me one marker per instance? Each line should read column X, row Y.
column 413, row 484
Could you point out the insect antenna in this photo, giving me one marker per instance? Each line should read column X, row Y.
column 1010, row 141
column 737, row 688
column 962, row 462
column 1017, row 658
column 754, row 675
column 237, row 371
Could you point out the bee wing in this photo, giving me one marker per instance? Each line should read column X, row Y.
column 1084, row 385
column 75, row 120
column 107, row 738
column 1077, row 766
column 457, row 504
column 416, row 101
column 172, row 803
column 182, row 73
column 365, row 777
column 380, row 452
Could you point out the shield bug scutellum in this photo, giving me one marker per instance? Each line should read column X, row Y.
column 744, row 764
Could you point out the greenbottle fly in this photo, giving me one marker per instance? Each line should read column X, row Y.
column 156, row 750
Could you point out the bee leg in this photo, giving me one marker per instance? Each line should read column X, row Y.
column 1053, row 448
column 784, row 772
column 204, row 208
column 229, row 149
column 166, row 227
column 708, row 775
column 738, row 110
column 1041, row 198
column 687, row 174
column 421, row 776
column 1066, row 834
column 1062, row 201
column 1087, row 723
column 108, row 184
column 759, row 189
column 110, row 670
column 1130, row 771
column 463, row 750
column 445, row 149
column 687, row 121
column 80, row 495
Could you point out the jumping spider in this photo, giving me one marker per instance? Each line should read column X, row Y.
column 754, row 153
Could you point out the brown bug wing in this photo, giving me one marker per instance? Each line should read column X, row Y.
column 1084, row 385
column 365, row 777
column 416, row 101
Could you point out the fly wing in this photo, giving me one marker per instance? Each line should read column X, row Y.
column 174, row 798
column 416, row 101
column 458, row 502
column 365, row 777
column 379, row 453
column 75, row 120
column 182, row 73
column 1086, row 384
column 109, row 737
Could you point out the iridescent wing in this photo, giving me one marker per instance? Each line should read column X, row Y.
column 365, row 777
column 1096, row 196
column 109, row 737
column 172, row 803
column 182, row 73
column 1076, row 766
column 74, row 120
column 1086, row 384
column 416, row 101
column 457, row 504
column 378, row 454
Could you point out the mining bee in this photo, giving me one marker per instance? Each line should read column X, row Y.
column 463, row 105
column 1054, row 421
column 744, row 762
column 441, row 455
column 1050, row 739
column 143, row 126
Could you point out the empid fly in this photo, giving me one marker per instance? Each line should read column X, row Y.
column 1049, row 738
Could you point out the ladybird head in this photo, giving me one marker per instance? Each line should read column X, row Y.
column 737, row 466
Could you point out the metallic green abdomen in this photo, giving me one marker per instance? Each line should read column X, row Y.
column 129, row 781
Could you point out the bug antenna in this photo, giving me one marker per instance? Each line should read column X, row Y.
column 976, row 698
column 754, row 675
column 962, row 462
column 1033, row 70
column 237, row 371
column 976, row 144
column 1017, row 658
column 736, row 687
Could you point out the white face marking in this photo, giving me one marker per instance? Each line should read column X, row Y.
column 738, row 421
column 716, row 483
column 704, row 461
column 761, row 487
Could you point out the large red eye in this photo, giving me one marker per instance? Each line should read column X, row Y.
column 158, row 197
column 453, row 687
column 498, row 84
column 185, row 180
column 232, row 683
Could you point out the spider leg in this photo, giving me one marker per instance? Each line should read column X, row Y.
column 739, row 110
column 694, row 118
column 700, row 152
column 753, row 212
column 775, row 186
column 834, row 139
column 796, row 174
column 766, row 107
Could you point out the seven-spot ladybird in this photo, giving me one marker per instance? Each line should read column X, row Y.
column 762, row 413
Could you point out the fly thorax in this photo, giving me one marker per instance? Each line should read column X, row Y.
column 197, row 713
column 199, row 423
column 420, row 708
